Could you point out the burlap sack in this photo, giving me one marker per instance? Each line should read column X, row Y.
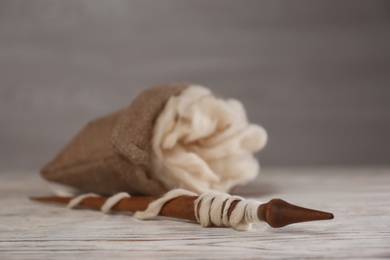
column 113, row 153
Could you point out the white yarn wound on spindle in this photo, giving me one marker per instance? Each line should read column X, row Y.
column 214, row 207
column 155, row 207
column 78, row 199
column 113, row 200
column 106, row 207
column 151, row 211
column 211, row 208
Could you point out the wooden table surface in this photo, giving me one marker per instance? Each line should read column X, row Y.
column 358, row 197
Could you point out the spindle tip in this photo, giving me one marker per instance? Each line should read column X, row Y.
column 279, row 213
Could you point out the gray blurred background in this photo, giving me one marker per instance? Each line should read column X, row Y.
column 315, row 74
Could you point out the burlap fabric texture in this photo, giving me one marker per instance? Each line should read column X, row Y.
column 113, row 153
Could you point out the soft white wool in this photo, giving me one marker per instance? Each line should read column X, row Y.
column 202, row 143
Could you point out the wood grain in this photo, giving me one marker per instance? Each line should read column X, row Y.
column 358, row 197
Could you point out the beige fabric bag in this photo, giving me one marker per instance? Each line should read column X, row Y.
column 113, row 153
column 171, row 136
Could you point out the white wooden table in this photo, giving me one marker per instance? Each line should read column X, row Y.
column 359, row 198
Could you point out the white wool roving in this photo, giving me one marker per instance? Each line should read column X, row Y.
column 202, row 143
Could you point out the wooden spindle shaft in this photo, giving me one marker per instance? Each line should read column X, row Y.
column 277, row 213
